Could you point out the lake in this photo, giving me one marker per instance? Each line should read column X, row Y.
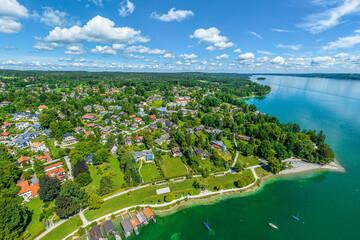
column 328, row 202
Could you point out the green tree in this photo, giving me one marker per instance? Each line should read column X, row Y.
column 274, row 165
column 105, row 185
column 14, row 217
column 95, row 201
column 80, row 167
column 49, row 188
column 169, row 197
column 238, row 166
column 83, row 179
column 100, row 156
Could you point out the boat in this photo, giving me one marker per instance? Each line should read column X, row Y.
column 206, row 226
column 273, row 226
column 295, row 217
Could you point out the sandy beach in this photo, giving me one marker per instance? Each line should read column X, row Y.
column 299, row 165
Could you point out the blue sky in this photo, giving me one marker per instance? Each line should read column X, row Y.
column 187, row 35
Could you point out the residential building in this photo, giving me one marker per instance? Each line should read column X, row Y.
column 68, row 138
column 145, row 155
column 37, row 146
column 28, row 191
column 42, row 107
column 127, row 227
column 127, row 141
column 89, row 117
column 22, row 125
column 79, row 130
column 96, row 233
column 176, row 152
column 108, row 227
column 22, row 160
column 56, row 170
column 244, row 138
column 218, row 145
column 138, row 139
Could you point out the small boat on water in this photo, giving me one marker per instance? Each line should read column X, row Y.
column 296, row 218
column 206, row 226
column 273, row 226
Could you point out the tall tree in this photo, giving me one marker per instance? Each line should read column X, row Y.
column 49, row 188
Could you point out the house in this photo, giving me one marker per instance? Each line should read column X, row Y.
column 141, row 218
column 127, row 227
column 244, row 138
column 22, row 143
column 214, row 131
column 141, row 113
column 37, row 146
column 30, row 135
column 109, row 100
column 113, row 149
column 5, row 103
column 218, row 145
column 79, row 130
column 11, row 152
column 153, row 117
column 116, row 107
column 7, row 125
column 47, row 155
column 87, row 108
column 176, row 152
column 68, row 139
column 134, row 126
column 37, row 127
column 145, row 155
column 138, row 139
column 42, row 158
column 199, row 128
column 108, row 227
column 149, row 214
column 107, row 129
column 22, row 125
column 115, row 117
column 92, row 125
column 42, row 107
column 135, row 224
column 88, row 134
column 89, row 158
column 22, row 160
column 56, row 170
column 96, row 233
column 158, row 141
column 5, row 135
column 46, row 132
column 166, row 137
column 162, row 110
column 127, row 141
column 28, row 191
column 89, row 117
column 201, row 152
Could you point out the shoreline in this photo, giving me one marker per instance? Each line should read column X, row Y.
column 296, row 172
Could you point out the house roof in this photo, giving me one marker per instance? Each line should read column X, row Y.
column 22, row 159
column 25, row 187
column 57, row 172
column 126, row 225
column 42, row 106
column 108, row 226
column 148, row 213
column 134, row 222
column 53, row 165
column 36, row 144
column 95, row 233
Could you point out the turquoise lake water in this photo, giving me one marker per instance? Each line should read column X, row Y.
column 327, row 202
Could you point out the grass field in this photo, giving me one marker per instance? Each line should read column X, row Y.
column 228, row 180
column 64, row 229
column 35, row 227
column 149, row 172
column 172, row 167
column 144, row 195
column 262, row 172
column 249, row 161
column 54, row 152
column 156, row 103
column 118, row 178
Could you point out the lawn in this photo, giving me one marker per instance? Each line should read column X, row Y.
column 54, row 152
column 249, row 161
column 35, row 227
column 141, row 196
column 261, row 172
column 172, row 167
column 64, row 229
column 156, row 103
column 228, row 144
column 228, row 180
column 113, row 164
column 149, row 172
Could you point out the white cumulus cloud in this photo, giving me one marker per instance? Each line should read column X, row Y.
column 212, row 36
column 344, row 42
column 126, row 8
column 98, row 29
column 292, row 47
column 103, row 50
column 223, row 56
column 246, row 56
column 173, row 15
column 188, row 56
column 10, row 13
